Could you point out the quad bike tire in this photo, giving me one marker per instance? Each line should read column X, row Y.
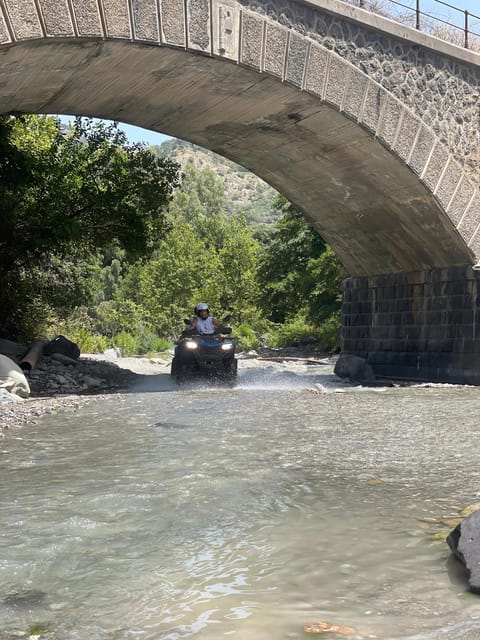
column 178, row 370
column 231, row 371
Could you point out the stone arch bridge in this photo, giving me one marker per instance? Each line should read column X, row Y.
column 372, row 129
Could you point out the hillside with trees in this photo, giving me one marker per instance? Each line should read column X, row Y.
column 244, row 191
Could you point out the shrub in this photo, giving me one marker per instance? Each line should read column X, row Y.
column 162, row 344
column 329, row 333
column 87, row 342
column 150, row 342
column 246, row 338
column 126, row 343
column 78, row 328
column 292, row 332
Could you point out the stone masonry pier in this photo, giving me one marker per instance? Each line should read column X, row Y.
column 422, row 325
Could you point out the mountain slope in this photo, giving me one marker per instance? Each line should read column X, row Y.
column 244, row 191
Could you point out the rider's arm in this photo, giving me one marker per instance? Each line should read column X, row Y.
column 193, row 324
column 216, row 322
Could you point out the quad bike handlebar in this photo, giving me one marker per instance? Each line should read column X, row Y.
column 191, row 333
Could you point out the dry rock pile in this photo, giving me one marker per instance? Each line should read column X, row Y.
column 82, row 376
column 45, row 371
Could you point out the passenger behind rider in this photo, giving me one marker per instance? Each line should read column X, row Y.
column 203, row 322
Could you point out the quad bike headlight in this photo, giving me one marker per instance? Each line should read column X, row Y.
column 191, row 344
column 226, row 346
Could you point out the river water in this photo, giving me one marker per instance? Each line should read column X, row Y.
column 248, row 512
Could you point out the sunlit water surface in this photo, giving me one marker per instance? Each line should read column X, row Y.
column 247, row 512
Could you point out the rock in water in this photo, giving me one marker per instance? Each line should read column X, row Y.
column 354, row 368
column 464, row 541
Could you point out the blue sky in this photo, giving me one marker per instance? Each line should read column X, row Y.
column 469, row 5
column 134, row 134
column 448, row 14
column 137, row 134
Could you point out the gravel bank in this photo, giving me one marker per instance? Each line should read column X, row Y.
column 30, row 411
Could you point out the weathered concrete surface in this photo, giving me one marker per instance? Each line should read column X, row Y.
column 373, row 169
column 372, row 209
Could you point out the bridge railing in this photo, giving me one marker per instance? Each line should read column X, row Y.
column 464, row 32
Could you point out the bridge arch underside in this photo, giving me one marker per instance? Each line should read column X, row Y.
column 374, row 210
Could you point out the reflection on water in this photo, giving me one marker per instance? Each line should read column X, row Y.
column 247, row 512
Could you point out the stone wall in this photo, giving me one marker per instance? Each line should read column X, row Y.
column 420, row 325
column 444, row 91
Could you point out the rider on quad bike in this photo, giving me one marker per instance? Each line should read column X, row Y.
column 203, row 322
column 202, row 350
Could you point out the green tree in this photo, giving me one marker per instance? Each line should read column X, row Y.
column 188, row 266
column 298, row 273
column 200, row 202
column 226, row 257
column 66, row 196
column 238, row 274
column 167, row 285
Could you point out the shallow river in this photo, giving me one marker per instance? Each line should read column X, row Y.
column 247, row 512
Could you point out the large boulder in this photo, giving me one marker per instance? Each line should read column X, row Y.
column 355, row 368
column 464, row 541
column 12, row 378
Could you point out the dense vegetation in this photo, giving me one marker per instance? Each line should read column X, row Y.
column 66, row 198
column 105, row 242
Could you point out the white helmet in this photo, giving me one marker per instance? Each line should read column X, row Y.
column 201, row 306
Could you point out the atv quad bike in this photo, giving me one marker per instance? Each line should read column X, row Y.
column 205, row 355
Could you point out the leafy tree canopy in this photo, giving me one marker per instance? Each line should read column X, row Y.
column 204, row 256
column 72, row 194
column 299, row 273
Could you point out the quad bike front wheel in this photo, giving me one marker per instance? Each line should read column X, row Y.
column 178, row 370
column 231, row 369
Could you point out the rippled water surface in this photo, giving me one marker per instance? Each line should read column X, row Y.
column 246, row 512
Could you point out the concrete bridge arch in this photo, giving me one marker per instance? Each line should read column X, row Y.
column 370, row 128
column 291, row 91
